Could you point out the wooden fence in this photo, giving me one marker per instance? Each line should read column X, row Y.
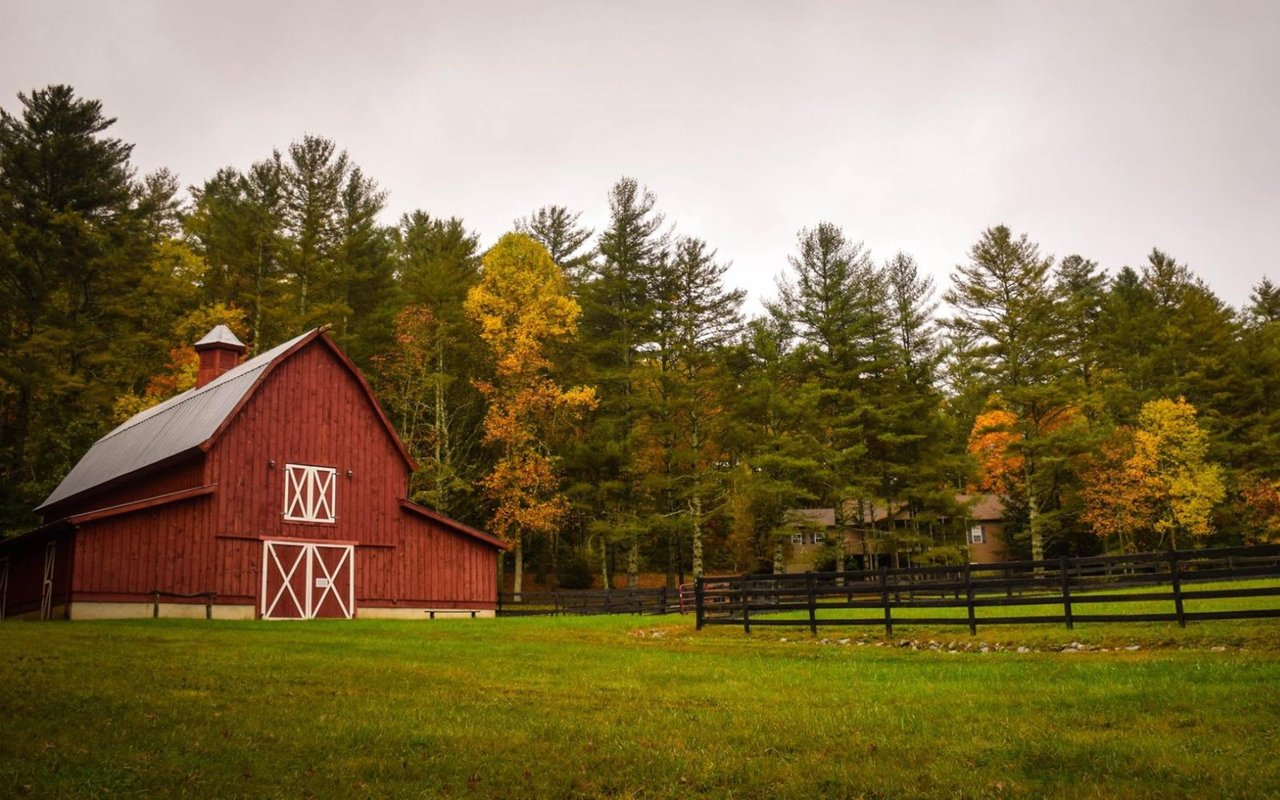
column 587, row 602
column 1060, row 591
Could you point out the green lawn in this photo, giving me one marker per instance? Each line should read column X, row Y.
column 634, row 707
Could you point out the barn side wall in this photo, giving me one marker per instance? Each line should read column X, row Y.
column 170, row 548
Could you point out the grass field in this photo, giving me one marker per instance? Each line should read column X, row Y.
column 634, row 707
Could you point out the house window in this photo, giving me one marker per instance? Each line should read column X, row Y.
column 976, row 536
column 797, row 538
column 309, row 493
column 819, row 537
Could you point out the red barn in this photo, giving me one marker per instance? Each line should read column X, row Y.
column 274, row 489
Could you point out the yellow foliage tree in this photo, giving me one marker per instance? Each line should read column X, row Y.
column 1155, row 478
column 522, row 304
column 1169, row 438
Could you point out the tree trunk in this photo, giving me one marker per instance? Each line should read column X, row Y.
column 633, row 563
column 1033, row 513
column 519, row 576
column 695, row 516
column 604, row 562
column 779, row 563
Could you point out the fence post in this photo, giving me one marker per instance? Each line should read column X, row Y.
column 697, row 603
column 813, row 617
column 1064, row 568
column 968, row 593
column 497, row 612
column 155, row 605
column 1176, row 576
column 884, row 598
column 663, row 612
column 208, row 606
column 746, row 606
column 607, row 600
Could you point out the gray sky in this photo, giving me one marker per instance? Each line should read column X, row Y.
column 1098, row 128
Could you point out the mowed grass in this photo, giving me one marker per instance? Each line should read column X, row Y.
column 633, row 707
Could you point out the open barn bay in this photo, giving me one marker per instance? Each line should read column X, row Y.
column 633, row 707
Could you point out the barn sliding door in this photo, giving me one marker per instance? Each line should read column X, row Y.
column 306, row 580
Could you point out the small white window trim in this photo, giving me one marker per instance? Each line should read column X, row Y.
column 977, row 535
column 310, row 493
column 819, row 537
column 797, row 538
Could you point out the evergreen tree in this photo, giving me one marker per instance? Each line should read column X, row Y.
column 1006, row 310
column 697, row 317
column 618, row 326
column 556, row 228
column 85, row 285
column 236, row 226
column 835, row 305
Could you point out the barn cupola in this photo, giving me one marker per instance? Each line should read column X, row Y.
column 219, row 351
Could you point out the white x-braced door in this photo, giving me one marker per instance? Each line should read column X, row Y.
column 306, row 580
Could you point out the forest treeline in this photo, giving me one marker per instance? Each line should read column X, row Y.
column 1124, row 409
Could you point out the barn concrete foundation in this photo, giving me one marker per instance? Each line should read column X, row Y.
column 424, row 613
column 81, row 610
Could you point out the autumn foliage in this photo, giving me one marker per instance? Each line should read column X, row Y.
column 1154, row 482
column 521, row 305
column 993, row 444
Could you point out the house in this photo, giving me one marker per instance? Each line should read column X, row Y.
column 814, row 532
column 276, row 488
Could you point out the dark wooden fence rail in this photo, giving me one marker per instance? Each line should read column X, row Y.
column 209, row 598
column 588, row 602
column 1064, row 588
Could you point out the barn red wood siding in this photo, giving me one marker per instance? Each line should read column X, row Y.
column 309, row 410
column 184, row 473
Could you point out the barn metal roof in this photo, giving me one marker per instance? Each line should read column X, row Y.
column 177, row 425
column 220, row 335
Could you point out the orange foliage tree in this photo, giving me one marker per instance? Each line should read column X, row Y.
column 992, row 442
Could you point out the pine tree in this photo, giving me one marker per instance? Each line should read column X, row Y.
column 236, row 226
column 697, row 317
column 1006, row 310
column 86, row 286
column 835, row 305
column 618, row 325
column 556, row 228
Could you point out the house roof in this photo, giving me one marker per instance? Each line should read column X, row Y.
column 985, row 506
column 188, row 422
column 979, row 507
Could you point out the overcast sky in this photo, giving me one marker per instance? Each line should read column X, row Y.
column 1099, row 128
